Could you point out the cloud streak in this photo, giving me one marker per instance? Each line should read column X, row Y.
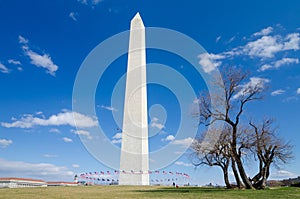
column 282, row 174
column 265, row 47
column 255, row 83
column 264, row 32
column 168, row 138
column 117, row 138
column 5, row 143
column 210, row 61
column 15, row 62
column 63, row 118
column 109, row 108
column 183, row 164
column 3, row 68
column 82, row 133
column 156, row 124
column 43, row 171
column 279, row 63
column 183, row 142
column 278, row 92
column 39, row 60
column 73, row 16
column 67, row 140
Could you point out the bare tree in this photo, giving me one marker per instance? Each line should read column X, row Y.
column 237, row 93
column 214, row 155
column 268, row 148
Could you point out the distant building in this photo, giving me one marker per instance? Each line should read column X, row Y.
column 291, row 181
column 21, row 182
column 284, row 182
column 62, row 184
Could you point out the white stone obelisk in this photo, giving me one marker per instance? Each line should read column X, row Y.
column 134, row 161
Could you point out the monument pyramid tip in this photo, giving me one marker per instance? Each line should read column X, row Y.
column 137, row 16
column 137, row 19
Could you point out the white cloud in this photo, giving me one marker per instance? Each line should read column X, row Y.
column 95, row 2
column 265, row 67
column 117, row 138
column 73, row 16
column 184, row 142
column 231, row 39
column 290, row 99
column 278, row 92
column 156, row 124
column 15, row 62
column 298, row 91
column 286, row 61
column 277, row 64
column 83, row 2
column 43, row 61
column 39, row 113
column 50, row 156
column 196, row 101
column 43, row 171
column 3, row 69
column 169, row 138
column 75, row 166
column 22, row 40
column 282, row 174
column 183, row 164
column 292, row 42
column 255, row 82
column 264, row 47
column 83, row 133
column 210, row 62
column 108, row 108
column 263, row 32
column 116, row 141
column 65, row 139
column 63, row 118
column 154, row 119
column 54, row 130
column 92, row 2
column 5, row 143
column 38, row 60
column 267, row 46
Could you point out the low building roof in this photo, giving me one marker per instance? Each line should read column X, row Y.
column 22, row 179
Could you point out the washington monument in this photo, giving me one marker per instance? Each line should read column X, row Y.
column 134, row 162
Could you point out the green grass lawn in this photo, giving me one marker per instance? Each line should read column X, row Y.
column 124, row 192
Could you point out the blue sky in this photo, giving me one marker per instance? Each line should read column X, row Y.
column 43, row 44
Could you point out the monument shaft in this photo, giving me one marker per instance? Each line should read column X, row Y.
column 134, row 161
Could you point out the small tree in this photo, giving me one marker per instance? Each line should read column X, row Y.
column 215, row 155
column 268, row 148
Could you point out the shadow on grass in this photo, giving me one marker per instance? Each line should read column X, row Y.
column 184, row 190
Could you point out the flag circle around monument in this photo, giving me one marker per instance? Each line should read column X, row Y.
column 99, row 59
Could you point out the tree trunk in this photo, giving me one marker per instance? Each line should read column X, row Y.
column 226, row 179
column 238, row 160
column 243, row 174
column 236, row 175
column 264, row 179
